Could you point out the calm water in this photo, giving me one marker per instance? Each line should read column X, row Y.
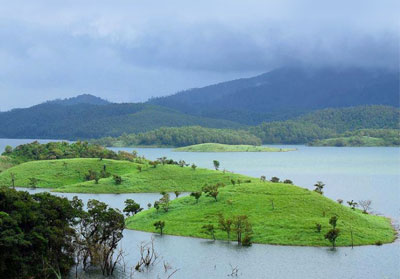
column 349, row 173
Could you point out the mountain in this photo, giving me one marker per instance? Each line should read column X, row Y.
column 80, row 99
column 83, row 121
column 287, row 92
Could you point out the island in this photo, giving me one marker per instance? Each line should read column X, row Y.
column 222, row 205
column 218, row 147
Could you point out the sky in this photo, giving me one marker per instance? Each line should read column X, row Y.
column 131, row 50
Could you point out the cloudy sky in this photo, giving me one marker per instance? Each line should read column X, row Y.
column 130, row 50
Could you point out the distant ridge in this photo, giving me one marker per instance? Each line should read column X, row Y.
column 80, row 99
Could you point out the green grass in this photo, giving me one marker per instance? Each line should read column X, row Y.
column 291, row 222
column 56, row 173
column 217, row 147
column 162, row 178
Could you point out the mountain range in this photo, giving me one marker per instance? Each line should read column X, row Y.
column 279, row 95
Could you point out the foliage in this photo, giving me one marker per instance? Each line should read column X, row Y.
column 196, row 195
column 211, row 191
column 318, row 187
column 159, row 225
column 131, row 207
column 209, row 230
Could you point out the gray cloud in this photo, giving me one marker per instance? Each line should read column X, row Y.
column 131, row 50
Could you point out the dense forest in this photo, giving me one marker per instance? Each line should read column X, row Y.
column 60, row 150
column 321, row 124
column 182, row 136
column 44, row 236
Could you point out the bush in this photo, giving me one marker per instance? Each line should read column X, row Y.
column 117, row 179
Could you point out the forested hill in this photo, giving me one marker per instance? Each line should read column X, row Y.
column 84, row 121
column 80, row 99
column 288, row 92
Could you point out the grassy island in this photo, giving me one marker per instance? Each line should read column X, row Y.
column 279, row 213
column 217, row 147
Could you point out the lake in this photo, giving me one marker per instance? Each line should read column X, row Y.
column 349, row 173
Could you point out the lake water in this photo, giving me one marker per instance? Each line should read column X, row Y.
column 349, row 173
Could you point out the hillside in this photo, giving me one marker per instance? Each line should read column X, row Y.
column 278, row 213
column 83, row 121
column 287, row 92
column 80, row 99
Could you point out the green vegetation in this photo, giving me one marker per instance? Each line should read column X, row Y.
column 181, row 136
column 216, row 147
column 6, row 163
column 365, row 137
column 45, row 235
column 278, row 214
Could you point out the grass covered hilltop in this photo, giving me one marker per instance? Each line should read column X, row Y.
column 217, row 147
column 269, row 212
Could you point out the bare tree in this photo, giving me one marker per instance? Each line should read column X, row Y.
column 148, row 256
column 366, row 205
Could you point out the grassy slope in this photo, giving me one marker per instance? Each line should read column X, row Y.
column 54, row 173
column 292, row 222
column 6, row 163
column 161, row 178
column 217, row 147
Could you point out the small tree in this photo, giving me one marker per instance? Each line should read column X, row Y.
column 12, row 175
column 288, row 181
column 182, row 163
column 177, row 193
column 332, row 235
column 157, row 205
column 211, row 191
column 196, row 195
column 275, row 179
column 318, row 187
column 352, row 204
column 153, row 163
column 8, row 149
column 366, row 205
column 139, row 168
column 318, row 227
column 340, row 201
column 263, row 178
column 209, row 230
column 117, row 179
column 159, row 225
column 233, row 182
column 333, row 221
column 194, row 167
column 241, row 225
column 164, row 202
column 149, row 205
column 131, row 207
column 225, row 225
column 216, row 164
column 96, row 177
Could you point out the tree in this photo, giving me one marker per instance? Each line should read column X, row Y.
column 334, row 233
column 194, row 167
column 117, row 179
column 159, row 225
column 131, row 207
column 318, row 227
column 8, row 150
column 352, row 204
column 12, row 175
column 157, row 205
column 275, row 179
column 366, row 205
column 209, row 230
column 164, row 202
column 216, row 164
column 149, row 205
column 177, row 193
column 233, row 182
column 340, row 201
column 241, row 225
column 318, row 187
column 263, row 178
column 288, row 181
column 196, row 195
column 139, row 168
column 211, row 191
column 225, row 225
column 331, row 235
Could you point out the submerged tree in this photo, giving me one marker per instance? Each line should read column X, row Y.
column 159, row 225
column 209, row 230
column 242, row 226
column 225, row 224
